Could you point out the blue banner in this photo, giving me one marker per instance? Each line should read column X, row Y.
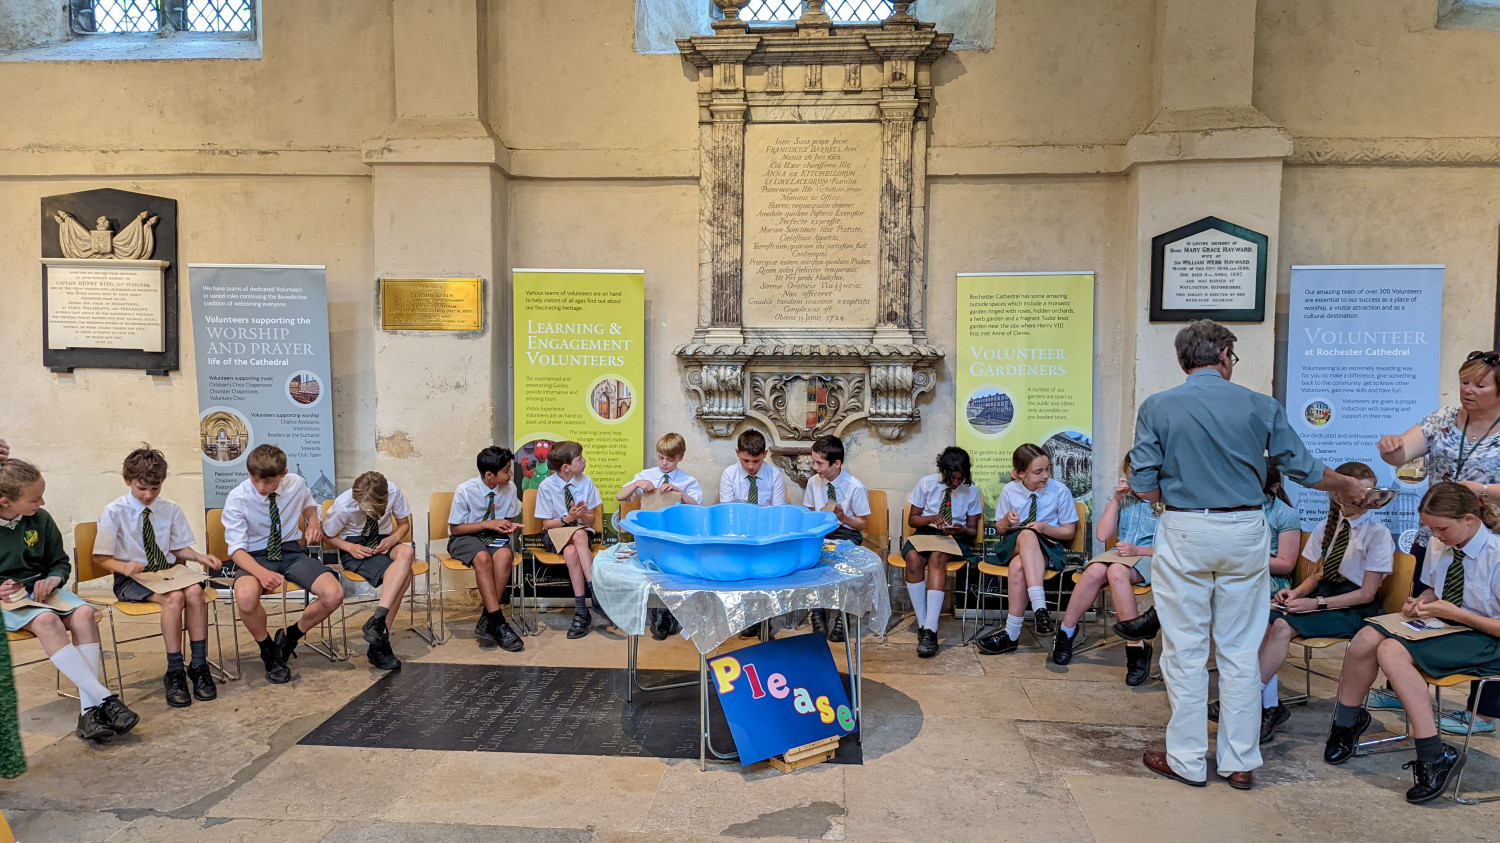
column 1363, row 351
column 781, row 695
column 260, row 342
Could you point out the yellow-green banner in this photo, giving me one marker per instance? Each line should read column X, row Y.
column 1025, row 374
column 580, row 366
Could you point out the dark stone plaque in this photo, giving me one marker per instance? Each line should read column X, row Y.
column 119, row 208
column 506, row 708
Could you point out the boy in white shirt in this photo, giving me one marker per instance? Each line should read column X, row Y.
column 141, row 531
column 262, row 527
column 566, row 499
column 752, row 479
column 832, row 486
column 666, row 477
column 369, row 526
column 480, row 524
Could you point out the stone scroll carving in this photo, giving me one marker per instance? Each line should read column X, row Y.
column 812, row 215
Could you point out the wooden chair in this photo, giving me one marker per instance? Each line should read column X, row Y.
column 1104, row 607
column 419, row 568
column 897, row 559
column 878, row 525
column 439, row 508
column 1077, row 545
column 532, row 538
column 1394, row 590
column 84, row 538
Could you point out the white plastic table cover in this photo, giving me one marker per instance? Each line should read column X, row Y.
column 848, row 578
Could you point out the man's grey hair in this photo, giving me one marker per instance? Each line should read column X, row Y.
column 1202, row 344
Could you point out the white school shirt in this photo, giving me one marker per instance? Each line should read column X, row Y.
column 550, row 503
column 1371, row 548
column 677, row 477
column 1481, row 572
column 247, row 514
column 347, row 520
column 472, row 498
column 770, row 486
column 1054, row 503
column 927, row 496
column 851, row 494
column 120, row 527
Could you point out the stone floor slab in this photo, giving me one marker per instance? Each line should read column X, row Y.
column 757, row 800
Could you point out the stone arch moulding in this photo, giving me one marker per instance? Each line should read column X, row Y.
column 812, row 213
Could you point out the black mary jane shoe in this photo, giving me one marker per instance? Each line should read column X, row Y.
column 996, row 643
column 580, row 625
column 1343, row 741
column 1430, row 780
column 175, row 683
column 1137, row 665
column 204, row 689
column 1041, row 621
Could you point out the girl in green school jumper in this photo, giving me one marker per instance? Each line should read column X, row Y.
column 1462, row 579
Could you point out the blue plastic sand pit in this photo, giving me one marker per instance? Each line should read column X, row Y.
column 730, row 541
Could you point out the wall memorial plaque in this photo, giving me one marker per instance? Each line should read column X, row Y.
column 109, row 281
column 1209, row 269
column 431, row 304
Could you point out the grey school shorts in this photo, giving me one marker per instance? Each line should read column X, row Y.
column 295, row 565
column 465, row 548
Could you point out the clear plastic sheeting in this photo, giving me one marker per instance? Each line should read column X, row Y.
column 848, row 578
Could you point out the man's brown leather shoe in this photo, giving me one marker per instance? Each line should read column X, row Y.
column 1156, row 762
column 1243, row 780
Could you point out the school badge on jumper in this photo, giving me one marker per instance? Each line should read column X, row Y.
column 31, row 537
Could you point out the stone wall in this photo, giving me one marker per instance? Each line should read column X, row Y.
column 467, row 137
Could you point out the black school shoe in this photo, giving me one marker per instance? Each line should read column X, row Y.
column 1430, row 780
column 176, row 684
column 277, row 673
column 1142, row 628
column 510, row 642
column 656, row 620
column 116, row 716
column 382, row 657
column 1343, row 741
column 1137, row 665
column 1041, row 621
column 927, row 643
column 285, row 646
column 580, row 625
column 819, row 619
column 1062, row 646
column 91, row 725
column 996, row 643
column 483, row 634
column 1271, row 720
column 375, row 631
column 836, row 629
column 204, row 688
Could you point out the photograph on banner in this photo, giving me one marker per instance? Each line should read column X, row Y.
column 1025, row 374
column 580, row 366
column 260, row 342
column 781, row 695
column 1363, row 345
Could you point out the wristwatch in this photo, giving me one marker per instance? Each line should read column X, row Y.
column 1322, row 602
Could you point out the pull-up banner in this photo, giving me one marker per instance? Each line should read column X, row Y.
column 1363, row 350
column 1026, row 374
column 580, row 365
column 260, row 341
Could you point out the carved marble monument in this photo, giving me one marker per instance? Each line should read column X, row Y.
column 812, row 213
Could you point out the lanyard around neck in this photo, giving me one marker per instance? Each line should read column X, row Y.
column 1464, row 437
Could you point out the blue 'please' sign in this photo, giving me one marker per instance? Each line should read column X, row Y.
column 780, row 695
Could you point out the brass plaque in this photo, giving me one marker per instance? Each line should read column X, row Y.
column 431, row 304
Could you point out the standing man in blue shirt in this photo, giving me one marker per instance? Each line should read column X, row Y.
column 1202, row 448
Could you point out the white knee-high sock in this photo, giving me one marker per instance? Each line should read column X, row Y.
column 94, row 655
column 1269, row 698
column 1013, row 626
column 934, row 609
column 72, row 664
column 1038, row 595
column 918, row 592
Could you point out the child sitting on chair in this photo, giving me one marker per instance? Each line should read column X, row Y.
column 369, row 526
column 832, row 486
column 141, row 531
column 566, row 499
column 1132, row 522
column 480, row 523
column 34, row 565
column 944, row 504
column 666, row 477
column 1035, row 516
column 1463, row 589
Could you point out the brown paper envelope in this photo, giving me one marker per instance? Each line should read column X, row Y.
column 1395, row 623
column 560, row 535
column 942, row 544
column 174, row 578
column 51, row 602
column 652, row 501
